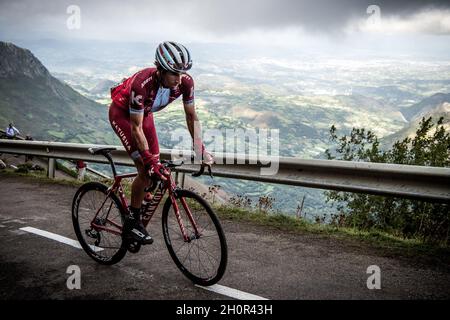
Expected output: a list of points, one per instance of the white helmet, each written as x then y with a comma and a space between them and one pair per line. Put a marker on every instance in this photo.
173, 57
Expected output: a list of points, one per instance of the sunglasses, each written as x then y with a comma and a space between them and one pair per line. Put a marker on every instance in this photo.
174, 73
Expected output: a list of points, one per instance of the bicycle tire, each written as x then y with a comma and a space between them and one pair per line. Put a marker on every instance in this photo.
92, 250
174, 234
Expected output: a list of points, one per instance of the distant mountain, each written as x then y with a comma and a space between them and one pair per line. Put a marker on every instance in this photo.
45, 107
102, 87
17, 61
426, 106
80, 89
392, 94
367, 104
435, 106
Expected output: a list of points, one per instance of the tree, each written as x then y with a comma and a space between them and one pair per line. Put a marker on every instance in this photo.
408, 218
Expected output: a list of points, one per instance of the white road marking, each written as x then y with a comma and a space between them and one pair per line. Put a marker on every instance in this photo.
233, 293
58, 238
217, 288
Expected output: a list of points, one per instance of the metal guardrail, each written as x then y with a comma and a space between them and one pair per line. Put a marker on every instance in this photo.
417, 182
98, 173
52, 164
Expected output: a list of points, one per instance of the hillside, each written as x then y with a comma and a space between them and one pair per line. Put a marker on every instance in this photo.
102, 87
426, 106
436, 106
41, 105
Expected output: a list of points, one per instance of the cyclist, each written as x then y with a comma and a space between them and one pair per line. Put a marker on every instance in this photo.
134, 101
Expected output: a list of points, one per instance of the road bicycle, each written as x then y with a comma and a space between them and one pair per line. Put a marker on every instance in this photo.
192, 232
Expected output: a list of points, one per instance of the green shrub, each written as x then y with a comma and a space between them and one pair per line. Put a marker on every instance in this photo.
402, 217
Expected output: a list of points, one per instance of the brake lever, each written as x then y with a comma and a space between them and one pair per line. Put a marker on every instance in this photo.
199, 173
202, 170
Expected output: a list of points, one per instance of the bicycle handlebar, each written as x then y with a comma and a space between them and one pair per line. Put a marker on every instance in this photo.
202, 170
173, 164
167, 163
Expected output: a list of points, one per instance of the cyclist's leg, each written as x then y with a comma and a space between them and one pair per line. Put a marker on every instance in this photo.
139, 183
121, 124
149, 128
142, 180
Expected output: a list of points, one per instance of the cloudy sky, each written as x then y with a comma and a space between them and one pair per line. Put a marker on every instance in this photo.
271, 22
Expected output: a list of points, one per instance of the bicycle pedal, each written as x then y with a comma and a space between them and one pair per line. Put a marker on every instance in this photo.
146, 243
134, 247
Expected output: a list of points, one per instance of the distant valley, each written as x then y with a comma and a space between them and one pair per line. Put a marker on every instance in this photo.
301, 98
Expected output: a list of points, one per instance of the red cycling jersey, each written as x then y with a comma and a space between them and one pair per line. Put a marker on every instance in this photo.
142, 92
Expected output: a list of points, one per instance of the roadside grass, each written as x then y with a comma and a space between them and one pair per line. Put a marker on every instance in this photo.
69, 171
376, 239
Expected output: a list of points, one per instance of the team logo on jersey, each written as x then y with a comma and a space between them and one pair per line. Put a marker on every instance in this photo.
145, 82
136, 100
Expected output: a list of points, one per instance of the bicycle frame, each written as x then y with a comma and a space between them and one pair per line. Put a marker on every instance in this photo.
149, 209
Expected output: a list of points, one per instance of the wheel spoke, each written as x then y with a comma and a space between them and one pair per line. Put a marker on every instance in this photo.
91, 200
201, 259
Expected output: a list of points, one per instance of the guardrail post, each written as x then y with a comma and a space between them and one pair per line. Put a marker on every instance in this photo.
182, 179
51, 168
179, 178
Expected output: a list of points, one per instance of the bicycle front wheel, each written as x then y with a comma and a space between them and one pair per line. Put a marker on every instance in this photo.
97, 220
202, 255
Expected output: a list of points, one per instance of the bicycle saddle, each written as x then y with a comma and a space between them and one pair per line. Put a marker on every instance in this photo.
101, 150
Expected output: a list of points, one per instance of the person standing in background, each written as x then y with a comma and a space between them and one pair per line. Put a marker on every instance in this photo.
81, 169
11, 131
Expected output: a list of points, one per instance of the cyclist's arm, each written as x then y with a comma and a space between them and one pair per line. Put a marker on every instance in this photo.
193, 124
137, 133
151, 161
195, 129
192, 121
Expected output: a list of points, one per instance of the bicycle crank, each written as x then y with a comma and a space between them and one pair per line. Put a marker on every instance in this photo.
134, 246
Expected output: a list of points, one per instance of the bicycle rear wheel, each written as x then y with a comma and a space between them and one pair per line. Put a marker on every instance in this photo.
104, 246
203, 257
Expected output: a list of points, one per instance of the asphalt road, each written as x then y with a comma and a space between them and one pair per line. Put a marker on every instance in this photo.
262, 261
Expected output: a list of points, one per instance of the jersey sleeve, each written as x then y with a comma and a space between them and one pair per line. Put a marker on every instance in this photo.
187, 89
137, 96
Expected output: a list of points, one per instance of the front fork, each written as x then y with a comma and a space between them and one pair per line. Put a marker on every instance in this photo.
173, 194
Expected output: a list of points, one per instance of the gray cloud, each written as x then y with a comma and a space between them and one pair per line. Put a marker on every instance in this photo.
319, 15
107, 19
